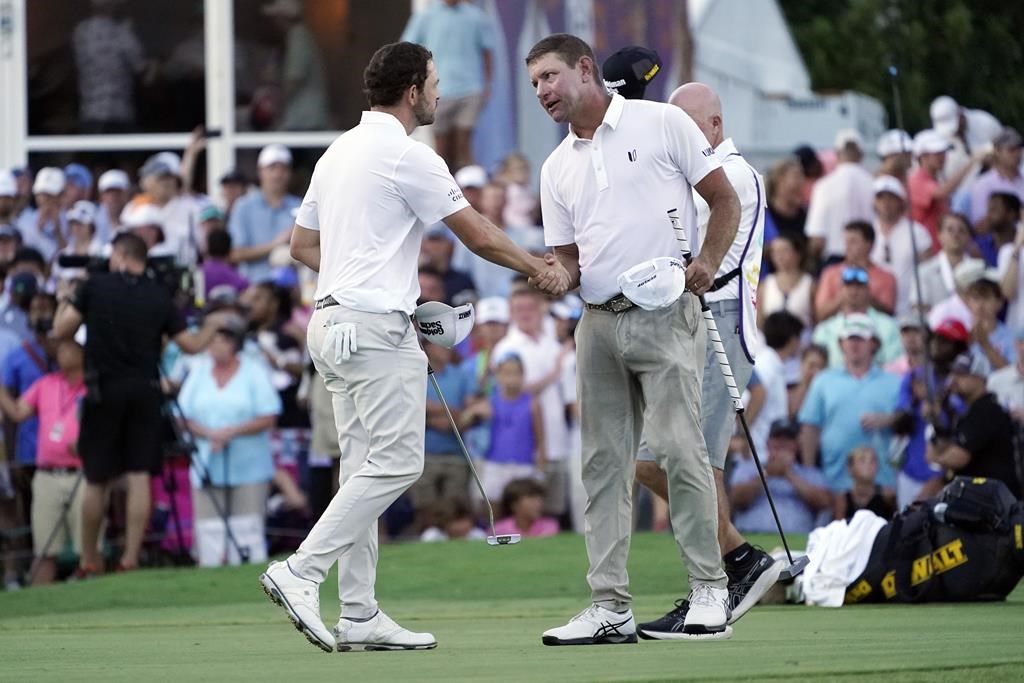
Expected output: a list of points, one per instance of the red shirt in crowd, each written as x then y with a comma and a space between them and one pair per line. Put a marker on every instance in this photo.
925, 207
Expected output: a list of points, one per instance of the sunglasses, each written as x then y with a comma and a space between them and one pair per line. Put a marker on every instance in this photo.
855, 275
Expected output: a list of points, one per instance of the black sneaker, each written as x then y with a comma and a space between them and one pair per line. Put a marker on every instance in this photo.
747, 589
669, 626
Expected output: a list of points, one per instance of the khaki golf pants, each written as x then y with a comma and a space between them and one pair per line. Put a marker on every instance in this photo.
636, 368
379, 396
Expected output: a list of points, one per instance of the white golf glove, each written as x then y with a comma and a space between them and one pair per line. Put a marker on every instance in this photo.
342, 338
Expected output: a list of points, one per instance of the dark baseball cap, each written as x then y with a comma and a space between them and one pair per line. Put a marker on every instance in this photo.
628, 71
784, 428
234, 176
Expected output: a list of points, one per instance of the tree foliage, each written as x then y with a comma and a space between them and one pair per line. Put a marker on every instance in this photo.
970, 49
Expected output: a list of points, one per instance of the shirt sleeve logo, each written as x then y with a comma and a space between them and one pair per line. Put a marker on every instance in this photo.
455, 194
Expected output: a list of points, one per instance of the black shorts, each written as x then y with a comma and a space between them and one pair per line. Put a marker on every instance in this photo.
121, 430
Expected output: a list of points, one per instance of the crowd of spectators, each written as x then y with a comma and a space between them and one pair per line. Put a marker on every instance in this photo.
887, 299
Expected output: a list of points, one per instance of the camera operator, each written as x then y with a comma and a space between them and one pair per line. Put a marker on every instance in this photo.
127, 315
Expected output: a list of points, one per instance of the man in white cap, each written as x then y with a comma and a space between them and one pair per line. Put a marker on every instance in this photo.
849, 406
113, 187
8, 197
968, 130
895, 244
929, 187
262, 220
843, 196
45, 227
1004, 176
894, 148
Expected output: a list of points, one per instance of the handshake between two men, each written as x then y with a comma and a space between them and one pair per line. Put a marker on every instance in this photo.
552, 279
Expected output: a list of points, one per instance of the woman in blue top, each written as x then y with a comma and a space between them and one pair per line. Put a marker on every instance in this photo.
230, 405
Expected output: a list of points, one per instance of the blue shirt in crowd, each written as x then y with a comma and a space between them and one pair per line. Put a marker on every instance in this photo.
458, 384
457, 37
247, 395
915, 463
254, 222
795, 515
21, 369
835, 404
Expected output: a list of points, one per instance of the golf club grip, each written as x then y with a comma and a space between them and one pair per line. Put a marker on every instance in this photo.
723, 360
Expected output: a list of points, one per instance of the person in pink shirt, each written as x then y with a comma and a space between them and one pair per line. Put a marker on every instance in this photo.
929, 191
523, 503
55, 398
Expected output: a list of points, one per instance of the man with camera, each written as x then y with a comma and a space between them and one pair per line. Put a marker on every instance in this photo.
127, 314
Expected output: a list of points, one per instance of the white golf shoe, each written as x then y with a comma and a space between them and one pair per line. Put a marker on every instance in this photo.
379, 633
594, 626
708, 616
300, 599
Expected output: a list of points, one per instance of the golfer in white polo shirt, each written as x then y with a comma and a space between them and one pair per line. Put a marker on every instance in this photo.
609, 195
360, 226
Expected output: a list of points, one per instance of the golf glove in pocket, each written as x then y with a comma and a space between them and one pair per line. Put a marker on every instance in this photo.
341, 338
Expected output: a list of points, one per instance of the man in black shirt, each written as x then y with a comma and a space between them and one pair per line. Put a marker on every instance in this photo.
981, 444
126, 314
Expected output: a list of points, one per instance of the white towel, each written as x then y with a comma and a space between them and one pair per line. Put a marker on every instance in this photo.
838, 554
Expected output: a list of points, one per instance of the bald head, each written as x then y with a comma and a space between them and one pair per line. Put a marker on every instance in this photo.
704, 107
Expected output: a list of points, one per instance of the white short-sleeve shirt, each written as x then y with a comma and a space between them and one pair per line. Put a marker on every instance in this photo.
895, 253
612, 195
846, 194
371, 194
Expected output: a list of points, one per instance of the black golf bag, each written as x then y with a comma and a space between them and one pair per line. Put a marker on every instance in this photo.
965, 544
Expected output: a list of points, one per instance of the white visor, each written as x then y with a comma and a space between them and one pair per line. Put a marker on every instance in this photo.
443, 325
654, 284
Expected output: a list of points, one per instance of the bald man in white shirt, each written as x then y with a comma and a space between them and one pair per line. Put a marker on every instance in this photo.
751, 571
360, 227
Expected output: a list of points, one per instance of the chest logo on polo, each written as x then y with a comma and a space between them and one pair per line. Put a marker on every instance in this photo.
708, 152
632, 155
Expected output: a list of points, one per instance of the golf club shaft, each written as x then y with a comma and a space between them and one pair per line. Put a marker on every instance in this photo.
730, 381
462, 446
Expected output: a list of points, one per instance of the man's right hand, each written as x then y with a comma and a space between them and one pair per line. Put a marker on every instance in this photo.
552, 278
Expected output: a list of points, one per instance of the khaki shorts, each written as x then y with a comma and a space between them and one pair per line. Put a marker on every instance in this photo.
50, 491
246, 499
444, 477
458, 112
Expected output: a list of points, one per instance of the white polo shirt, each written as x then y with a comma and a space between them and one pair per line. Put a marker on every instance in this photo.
611, 195
895, 253
371, 194
846, 194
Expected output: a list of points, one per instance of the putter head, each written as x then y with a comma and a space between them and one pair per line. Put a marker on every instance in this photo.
504, 539
795, 569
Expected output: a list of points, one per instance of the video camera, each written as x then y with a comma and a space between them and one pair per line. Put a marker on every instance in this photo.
176, 279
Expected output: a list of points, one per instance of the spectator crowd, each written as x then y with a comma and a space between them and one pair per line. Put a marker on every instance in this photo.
890, 310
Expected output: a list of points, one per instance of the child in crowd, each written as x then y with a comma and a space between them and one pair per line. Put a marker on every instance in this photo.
516, 449
865, 494
56, 488
217, 269
521, 204
522, 502
454, 520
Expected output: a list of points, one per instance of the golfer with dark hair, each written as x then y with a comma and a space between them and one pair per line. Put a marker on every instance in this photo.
360, 226
610, 193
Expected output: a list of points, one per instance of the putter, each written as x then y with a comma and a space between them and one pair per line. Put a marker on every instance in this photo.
494, 538
796, 566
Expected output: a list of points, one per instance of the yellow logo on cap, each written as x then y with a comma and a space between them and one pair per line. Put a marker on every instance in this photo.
652, 73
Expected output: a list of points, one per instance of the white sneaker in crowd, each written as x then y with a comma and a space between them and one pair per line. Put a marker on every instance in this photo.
380, 632
300, 599
594, 626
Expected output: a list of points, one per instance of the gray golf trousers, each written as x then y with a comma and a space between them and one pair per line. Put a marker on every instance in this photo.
635, 368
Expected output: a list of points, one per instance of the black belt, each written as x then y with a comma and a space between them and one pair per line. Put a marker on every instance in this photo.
326, 302
59, 470
617, 304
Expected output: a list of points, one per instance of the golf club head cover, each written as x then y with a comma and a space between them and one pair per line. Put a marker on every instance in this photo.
441, 324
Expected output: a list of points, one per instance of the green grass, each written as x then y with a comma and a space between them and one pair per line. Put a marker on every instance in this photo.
487, 607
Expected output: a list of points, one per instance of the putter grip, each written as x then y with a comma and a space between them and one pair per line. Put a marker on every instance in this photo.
723, 360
